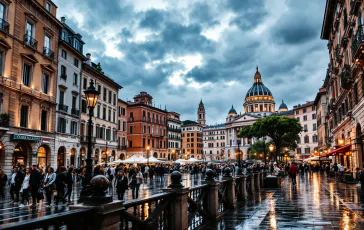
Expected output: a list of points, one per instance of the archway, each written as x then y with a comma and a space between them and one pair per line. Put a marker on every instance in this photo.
21, 154
229, 154
160, 155
122, 156
72, 156
42, 156
60, 156
164, 155
359, 141
155, 154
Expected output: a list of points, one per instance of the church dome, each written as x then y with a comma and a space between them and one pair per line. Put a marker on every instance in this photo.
258, 88
283, 105
232, 110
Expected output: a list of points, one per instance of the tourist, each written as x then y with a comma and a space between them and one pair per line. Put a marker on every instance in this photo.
121, 184
15, 185
3, 180
146, 170
49, 185
293, 172
136, 180
61, 184
69, 182
35, 183
25, 188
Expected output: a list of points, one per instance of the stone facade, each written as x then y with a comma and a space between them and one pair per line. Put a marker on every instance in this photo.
214, 137
122, 129
174, 136
192, 144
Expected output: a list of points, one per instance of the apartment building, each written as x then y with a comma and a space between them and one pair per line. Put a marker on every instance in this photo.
105, 121
192, 144
320, 104
308, 141
122, 129
174, 136
29, 53
70, 59
146, 126
214, 141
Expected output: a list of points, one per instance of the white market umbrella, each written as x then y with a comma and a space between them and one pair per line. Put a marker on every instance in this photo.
141, 157
180, 161
315, 158
117, 161
151, 160
132, 159
192, 160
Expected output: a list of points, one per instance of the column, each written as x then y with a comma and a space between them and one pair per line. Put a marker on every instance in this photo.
211, 207
230, 187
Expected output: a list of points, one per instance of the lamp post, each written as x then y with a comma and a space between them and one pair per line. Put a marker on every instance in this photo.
173, 152
239, 163
106, 153
148, 155
271, 149
265, 160
91, 95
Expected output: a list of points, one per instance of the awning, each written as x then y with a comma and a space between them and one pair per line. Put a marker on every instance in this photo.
344, 149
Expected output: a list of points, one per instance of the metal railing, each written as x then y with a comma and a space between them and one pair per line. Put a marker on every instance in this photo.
30, 41
174, 130
357, 39
75, 219
63, 108
4, 25
197, 215
75, 112
149, 213
48, 52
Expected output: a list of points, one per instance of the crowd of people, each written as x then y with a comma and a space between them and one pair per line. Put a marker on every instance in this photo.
35, 183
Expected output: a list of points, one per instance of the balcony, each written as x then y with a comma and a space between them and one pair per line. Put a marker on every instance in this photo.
121, 147
30, 41
63, 108
355, 6
174, 130
4, 26
338, 56
64, 76
75, 112
48, 53
357, 45
346, 77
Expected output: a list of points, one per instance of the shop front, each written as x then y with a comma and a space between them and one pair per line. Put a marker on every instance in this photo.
61, 156
342, 156
42, 156
72, 156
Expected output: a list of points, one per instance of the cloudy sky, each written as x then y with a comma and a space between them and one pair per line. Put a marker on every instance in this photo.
182, 51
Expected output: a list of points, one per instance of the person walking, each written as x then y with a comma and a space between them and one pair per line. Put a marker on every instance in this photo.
15, 185
49, 185
60, 185
69, 183
293, 172
3, 180
121, 184
35, 182
25, 188
136, 180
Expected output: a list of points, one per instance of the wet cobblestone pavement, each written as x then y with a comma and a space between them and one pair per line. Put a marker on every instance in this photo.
314, 203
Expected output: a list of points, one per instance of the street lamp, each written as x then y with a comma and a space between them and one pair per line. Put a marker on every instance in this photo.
265, 159
92, 96
148, 155
173, 151
271, 149
106, 153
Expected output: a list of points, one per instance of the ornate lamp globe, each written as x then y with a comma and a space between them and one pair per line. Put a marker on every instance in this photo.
92, 95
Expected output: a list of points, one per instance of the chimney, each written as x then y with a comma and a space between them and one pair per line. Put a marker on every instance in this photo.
63, 19
88, 56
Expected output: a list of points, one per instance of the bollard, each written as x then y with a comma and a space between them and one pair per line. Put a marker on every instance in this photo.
179, 219
257, 181
242, 187
230, 188
251, 180
211, 207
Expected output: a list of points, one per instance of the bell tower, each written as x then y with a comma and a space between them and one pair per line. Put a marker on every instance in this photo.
201, 114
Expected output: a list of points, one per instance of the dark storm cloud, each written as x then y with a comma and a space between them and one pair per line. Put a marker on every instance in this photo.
287, 48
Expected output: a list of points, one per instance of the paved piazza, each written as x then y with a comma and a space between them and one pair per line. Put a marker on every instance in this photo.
314, 203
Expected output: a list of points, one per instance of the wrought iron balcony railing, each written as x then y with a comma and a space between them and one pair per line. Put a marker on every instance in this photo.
346, 77
30, 41
356, 44
64, 77
75, 112
4, 26
48, 52
63, 108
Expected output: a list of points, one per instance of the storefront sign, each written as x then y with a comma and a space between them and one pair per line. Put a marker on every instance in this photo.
325, 159
46, 140
21, 137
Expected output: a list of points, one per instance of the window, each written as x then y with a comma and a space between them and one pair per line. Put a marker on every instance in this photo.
110, 97
29, 31
314, 138
297, 112
98, 111
64, 54
114, 101
109, 117
108, 134
61, 97
84, 83
99, 88
307, 150
75, 62
298, 119
1, 59
119, 125
113, 116
124, 126
74, 102
307, 139
131, 130
360, 19
47, 46
61, 125
48, 7
75, 79
299, 140
45, 83
2, 13
104, 113
27, 74
43, 120
304, 110
63, 72
305, 118
74, 129
298, 150
131, 144
83, 106
314, 127
305, 128
104, 94
314, 116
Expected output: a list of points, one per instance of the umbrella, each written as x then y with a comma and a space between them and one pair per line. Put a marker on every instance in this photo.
315, 158
180, 161
118, 161
192, 160
151, 160
132, 159
141, 157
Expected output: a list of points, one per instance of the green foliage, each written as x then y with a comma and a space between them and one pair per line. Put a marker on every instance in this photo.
283, 131
4, 116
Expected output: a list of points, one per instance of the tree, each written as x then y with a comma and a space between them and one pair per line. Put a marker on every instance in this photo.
283, 131
258, 147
